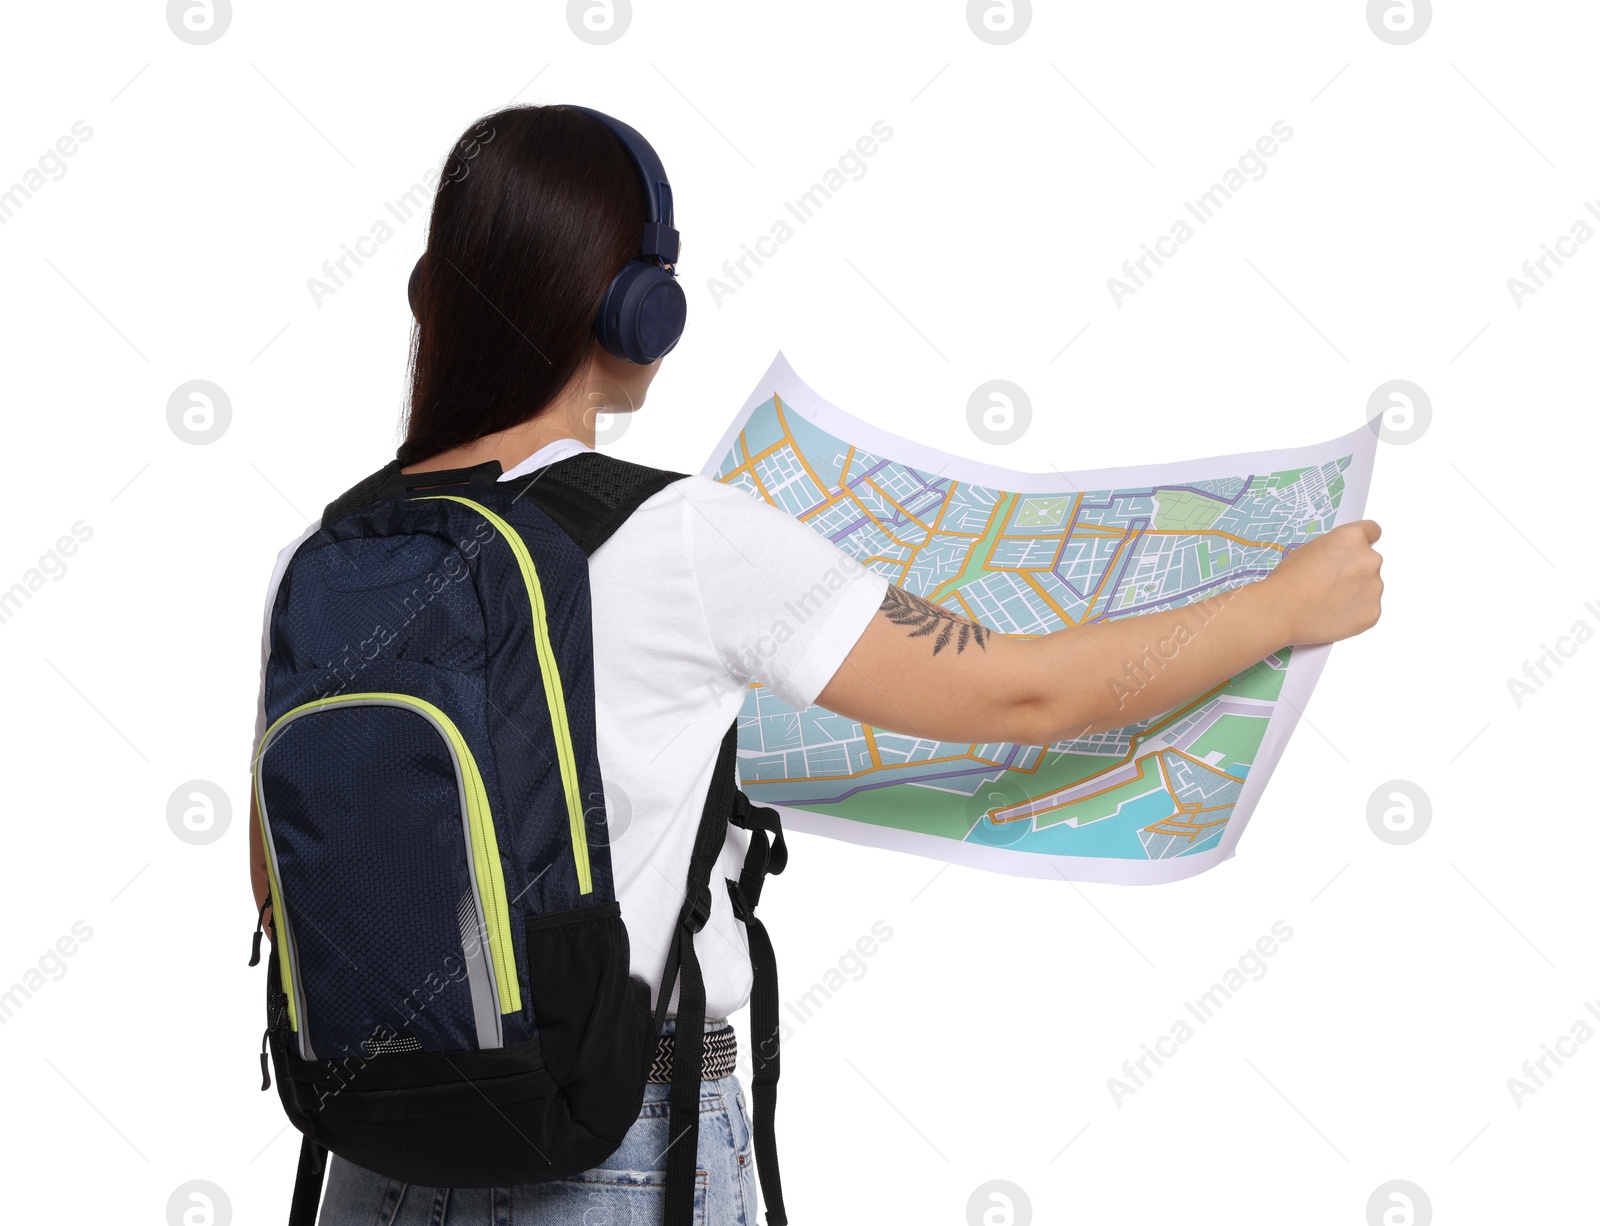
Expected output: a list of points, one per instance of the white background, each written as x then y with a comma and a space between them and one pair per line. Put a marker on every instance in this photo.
978, 1043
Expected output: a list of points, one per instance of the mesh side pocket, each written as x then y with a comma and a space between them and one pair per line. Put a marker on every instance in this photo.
592, 1017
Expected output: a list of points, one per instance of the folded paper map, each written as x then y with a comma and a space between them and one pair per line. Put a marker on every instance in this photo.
1029, 553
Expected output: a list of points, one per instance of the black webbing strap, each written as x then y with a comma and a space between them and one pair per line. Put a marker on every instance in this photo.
763, 857
683, 969
308, 1183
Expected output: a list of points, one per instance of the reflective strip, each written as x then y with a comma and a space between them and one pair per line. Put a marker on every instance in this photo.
553, 696
483, 864
480, 986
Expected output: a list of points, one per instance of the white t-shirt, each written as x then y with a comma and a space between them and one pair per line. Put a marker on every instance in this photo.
703, 591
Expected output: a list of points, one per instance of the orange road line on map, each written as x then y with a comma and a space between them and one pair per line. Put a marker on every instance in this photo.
1111, 787
1045, 596
933, 530
1186, 810
786, 439
1183, 830
798, 453
1166, 779
755, 477
1088, 609
862, 507
1205, 765
750, 461
1066, 534
899, 506
830, 500
949, 496
872, 746
1227, 536
1188, 757
1099, 530
960, 757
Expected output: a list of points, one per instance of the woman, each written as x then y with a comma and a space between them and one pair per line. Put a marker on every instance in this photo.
539, 209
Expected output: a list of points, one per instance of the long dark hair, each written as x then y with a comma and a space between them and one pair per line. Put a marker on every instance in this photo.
538, 209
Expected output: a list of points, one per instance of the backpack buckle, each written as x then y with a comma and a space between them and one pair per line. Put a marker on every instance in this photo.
697, 907
742, 910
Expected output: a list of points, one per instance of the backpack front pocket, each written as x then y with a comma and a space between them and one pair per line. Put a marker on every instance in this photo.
378, 828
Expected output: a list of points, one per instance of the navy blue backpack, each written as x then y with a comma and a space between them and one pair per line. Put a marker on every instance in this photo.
450, 1002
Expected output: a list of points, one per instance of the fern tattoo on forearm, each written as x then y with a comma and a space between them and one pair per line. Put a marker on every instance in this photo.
904, 609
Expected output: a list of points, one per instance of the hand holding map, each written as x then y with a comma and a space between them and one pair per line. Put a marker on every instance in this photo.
1031, 553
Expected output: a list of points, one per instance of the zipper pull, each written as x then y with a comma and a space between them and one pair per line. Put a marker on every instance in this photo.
255, 941
266, 1076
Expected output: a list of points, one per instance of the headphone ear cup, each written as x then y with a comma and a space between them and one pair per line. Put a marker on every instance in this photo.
642, 314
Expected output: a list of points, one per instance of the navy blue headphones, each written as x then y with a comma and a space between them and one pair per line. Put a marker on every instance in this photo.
642, 314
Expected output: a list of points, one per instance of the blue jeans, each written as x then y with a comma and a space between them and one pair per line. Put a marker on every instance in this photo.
626, 1190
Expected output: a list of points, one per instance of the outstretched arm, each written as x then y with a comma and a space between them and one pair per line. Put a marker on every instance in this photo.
923, 670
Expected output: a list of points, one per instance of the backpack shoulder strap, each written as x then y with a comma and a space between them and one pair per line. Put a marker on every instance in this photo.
591, 495
767, 855
390, 482
724, 803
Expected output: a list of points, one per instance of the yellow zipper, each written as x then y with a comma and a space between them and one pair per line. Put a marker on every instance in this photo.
480, 824
554, 698
279, 922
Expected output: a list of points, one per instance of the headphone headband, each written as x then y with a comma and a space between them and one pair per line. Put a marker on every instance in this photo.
660, 238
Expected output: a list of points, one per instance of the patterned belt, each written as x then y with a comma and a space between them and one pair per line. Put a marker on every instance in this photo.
720, 1052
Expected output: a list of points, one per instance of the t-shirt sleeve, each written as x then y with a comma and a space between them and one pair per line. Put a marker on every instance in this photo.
783, 604
285, 556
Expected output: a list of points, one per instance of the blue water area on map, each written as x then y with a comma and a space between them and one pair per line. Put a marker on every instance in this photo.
1115, 837
1206, 843
821, 449
1240, 769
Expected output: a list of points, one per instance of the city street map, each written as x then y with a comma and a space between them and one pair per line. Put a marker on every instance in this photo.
1028, 553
